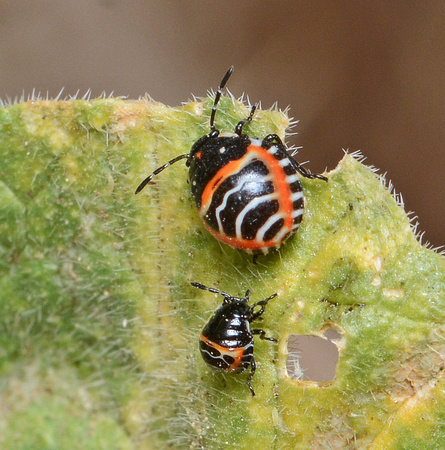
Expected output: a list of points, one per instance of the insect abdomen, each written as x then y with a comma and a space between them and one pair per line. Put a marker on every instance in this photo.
226, 359
254, 202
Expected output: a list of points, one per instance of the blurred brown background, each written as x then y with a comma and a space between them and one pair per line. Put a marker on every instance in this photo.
358, 75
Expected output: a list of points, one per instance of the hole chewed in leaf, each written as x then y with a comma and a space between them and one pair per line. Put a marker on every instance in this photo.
313, 358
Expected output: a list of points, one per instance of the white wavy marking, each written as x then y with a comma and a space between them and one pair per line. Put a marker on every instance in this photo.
223, 205
251, 205
237, 188
296, 196
292, 178
297, 212
229, 352
280, 235
247, 159
269, 222
256, 142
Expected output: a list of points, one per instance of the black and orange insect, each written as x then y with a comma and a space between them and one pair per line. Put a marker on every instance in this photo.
226, 342
247, 190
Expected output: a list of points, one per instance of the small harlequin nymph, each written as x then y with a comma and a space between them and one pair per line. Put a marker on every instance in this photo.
247, 190
226, 342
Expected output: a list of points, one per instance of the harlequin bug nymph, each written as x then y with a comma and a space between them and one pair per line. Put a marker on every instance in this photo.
226, 342
247, 190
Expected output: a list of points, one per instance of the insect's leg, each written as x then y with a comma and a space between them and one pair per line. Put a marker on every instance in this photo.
241, 123
273, 139
250, 376
263, 336
261, 303
308, 174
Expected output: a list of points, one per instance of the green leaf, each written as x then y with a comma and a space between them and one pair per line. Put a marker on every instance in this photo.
99, 324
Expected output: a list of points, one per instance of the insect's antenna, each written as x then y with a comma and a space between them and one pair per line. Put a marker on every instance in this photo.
226, 296
218, 96
159, 170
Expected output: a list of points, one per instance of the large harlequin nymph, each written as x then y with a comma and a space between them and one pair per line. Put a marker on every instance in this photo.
247, 190
226, 342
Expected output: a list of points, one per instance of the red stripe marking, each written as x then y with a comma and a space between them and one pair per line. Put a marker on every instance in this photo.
281, 187
244, 244
279, 181
235, 352
218, 179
